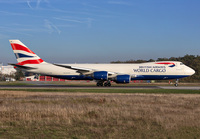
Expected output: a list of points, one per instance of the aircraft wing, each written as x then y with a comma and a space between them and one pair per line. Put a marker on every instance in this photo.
84, 71
74, 68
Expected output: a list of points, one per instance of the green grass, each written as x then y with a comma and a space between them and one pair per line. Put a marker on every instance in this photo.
157, 91
15, 83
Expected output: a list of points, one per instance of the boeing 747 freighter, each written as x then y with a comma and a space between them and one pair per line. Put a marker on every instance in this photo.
102, 73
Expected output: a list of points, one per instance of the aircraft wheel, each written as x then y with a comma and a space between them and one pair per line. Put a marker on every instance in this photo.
176, 84
100, 83
107, 83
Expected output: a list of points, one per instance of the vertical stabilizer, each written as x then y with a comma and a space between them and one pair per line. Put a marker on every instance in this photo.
23, 54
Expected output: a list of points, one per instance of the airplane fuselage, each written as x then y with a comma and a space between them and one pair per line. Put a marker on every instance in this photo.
143, 71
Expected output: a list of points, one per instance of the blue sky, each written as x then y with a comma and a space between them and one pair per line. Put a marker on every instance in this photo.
100, 31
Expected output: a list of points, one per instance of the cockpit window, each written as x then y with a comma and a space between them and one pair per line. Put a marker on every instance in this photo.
181, 64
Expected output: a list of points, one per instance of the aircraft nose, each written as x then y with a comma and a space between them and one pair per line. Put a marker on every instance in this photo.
190, 71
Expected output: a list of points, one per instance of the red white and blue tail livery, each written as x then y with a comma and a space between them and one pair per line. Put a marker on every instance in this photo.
23, 54
102, 73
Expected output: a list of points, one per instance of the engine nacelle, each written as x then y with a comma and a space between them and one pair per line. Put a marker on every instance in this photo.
123, 79
100, 75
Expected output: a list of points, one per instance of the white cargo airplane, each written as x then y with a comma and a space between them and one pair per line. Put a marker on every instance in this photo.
102, 73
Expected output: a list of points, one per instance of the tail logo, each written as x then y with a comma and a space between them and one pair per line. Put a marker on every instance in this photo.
23, 54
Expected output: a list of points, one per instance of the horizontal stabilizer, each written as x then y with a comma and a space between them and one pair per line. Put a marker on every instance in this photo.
20, 66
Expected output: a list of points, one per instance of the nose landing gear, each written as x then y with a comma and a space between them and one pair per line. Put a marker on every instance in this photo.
176, 83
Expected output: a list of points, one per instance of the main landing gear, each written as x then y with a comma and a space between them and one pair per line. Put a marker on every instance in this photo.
103, 83
176, 83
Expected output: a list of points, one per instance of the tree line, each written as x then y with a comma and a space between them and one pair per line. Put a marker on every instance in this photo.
189, 60
19, 75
